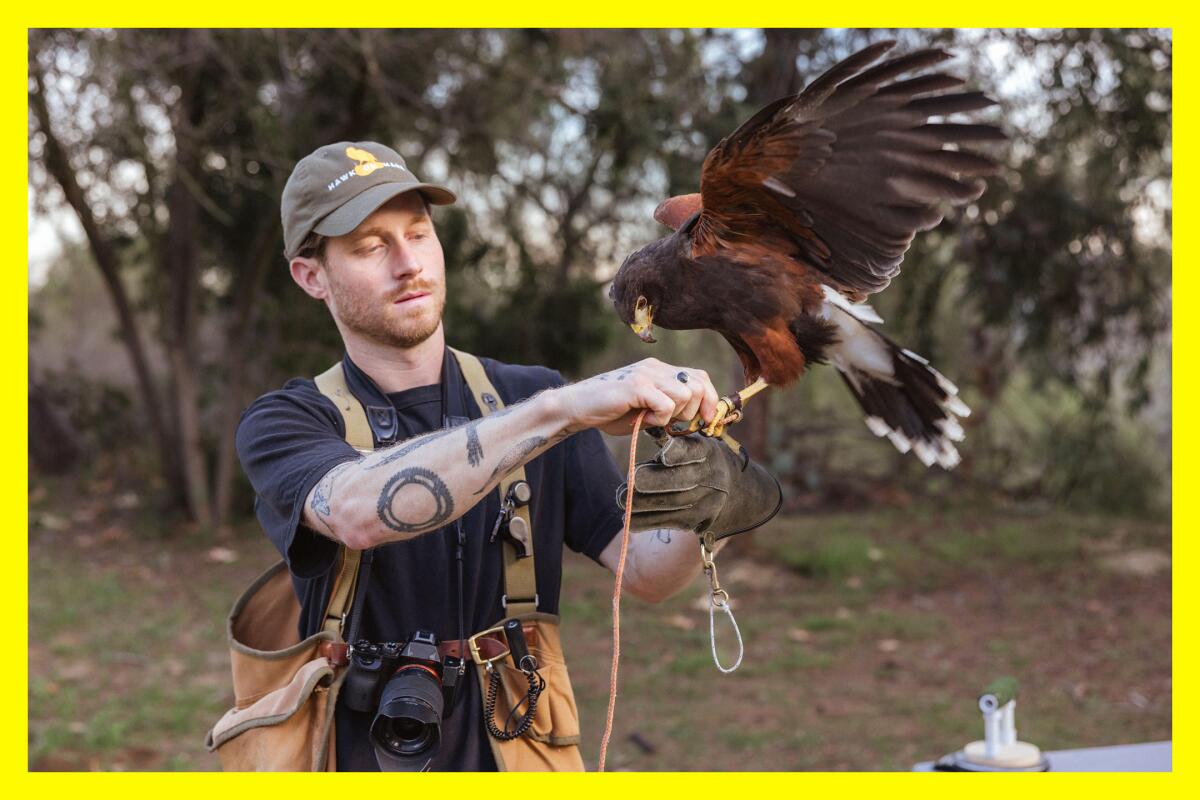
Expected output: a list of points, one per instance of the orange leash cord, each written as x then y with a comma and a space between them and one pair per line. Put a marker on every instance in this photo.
616, 656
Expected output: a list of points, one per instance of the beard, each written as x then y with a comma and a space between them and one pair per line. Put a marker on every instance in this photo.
386, 323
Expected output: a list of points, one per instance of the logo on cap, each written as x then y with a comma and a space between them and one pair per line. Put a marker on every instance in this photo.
364, 164
367, 163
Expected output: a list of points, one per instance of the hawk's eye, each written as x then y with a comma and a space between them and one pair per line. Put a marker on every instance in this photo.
641, 303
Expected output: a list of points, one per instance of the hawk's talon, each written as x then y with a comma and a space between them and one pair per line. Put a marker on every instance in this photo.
720, 419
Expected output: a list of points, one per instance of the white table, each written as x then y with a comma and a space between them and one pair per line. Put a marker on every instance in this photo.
1145, 757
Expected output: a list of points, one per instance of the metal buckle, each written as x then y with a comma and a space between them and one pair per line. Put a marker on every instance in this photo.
536, 600
473, 646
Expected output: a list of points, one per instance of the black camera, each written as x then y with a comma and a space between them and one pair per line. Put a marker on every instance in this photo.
411, 689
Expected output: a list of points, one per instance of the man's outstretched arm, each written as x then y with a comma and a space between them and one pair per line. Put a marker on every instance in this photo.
421, 484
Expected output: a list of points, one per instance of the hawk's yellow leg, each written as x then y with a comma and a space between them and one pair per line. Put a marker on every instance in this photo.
729, 411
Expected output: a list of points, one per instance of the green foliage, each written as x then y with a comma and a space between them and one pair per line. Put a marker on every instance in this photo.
1101, 463
102, 416
1072, 261
1077, 451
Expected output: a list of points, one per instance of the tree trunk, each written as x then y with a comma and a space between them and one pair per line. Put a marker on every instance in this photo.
53, 447
180, 328
58, 164
774, 74
180, 320
263, 254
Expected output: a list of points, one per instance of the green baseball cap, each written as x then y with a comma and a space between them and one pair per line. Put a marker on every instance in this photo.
333, 189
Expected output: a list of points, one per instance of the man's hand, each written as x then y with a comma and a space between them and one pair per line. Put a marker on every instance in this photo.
611, 401
699, 484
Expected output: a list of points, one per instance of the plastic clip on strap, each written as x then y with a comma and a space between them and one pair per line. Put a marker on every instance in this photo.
719, 598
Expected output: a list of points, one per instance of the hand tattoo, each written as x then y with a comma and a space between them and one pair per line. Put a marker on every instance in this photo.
425, 479
615, 375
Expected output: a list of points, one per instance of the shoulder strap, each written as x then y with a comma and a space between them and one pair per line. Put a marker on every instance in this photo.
520, 579
332, 384
343, 589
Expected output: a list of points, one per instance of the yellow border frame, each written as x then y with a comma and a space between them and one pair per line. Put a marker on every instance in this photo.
301, 13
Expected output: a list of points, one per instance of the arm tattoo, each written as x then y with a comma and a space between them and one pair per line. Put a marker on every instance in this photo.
517, 454
663, 535
474, 446
323, 494
423, 479
504, 411
400, 451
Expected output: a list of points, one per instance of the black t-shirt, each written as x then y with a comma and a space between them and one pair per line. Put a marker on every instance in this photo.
289, 439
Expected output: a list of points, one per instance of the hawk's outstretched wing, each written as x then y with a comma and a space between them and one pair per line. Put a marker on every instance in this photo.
846, 171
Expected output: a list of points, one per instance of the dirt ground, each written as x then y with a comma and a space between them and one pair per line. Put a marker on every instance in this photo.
868, 637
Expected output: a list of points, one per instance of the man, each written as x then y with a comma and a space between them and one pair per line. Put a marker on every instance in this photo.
359, 237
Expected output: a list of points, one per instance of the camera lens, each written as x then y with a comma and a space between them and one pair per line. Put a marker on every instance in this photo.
406, 736
407, 729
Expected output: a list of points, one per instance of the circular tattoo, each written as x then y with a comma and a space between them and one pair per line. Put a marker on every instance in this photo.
415, 476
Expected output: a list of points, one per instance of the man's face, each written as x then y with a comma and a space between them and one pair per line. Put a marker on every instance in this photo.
387, 278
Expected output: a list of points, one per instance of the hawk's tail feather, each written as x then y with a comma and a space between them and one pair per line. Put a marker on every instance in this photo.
912, 404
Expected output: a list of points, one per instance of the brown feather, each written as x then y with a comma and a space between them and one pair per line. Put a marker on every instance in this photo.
780, 361
841, 176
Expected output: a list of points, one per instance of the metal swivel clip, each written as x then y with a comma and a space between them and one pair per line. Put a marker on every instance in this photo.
514, 527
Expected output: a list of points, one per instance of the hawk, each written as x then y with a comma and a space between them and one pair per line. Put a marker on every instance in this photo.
805, 210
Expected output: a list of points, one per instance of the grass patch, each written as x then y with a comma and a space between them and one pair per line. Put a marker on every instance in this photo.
819, 624
903, 626
128, 666
789, 663
831, 557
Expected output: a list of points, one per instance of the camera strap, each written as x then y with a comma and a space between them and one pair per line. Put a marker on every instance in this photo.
360, 595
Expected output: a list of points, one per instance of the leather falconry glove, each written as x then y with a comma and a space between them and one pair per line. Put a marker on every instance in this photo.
699, 484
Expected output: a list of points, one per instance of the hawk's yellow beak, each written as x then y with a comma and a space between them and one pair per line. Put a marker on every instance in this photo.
643, 316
